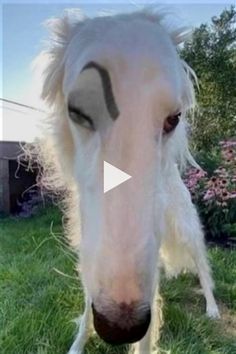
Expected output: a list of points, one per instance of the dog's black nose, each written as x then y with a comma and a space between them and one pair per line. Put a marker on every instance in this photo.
128, 326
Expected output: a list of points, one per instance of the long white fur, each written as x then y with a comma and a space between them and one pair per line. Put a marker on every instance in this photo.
178, 228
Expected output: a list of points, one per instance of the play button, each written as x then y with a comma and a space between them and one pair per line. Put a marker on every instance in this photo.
113, 177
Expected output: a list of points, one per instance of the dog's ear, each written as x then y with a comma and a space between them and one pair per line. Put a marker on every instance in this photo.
51, 60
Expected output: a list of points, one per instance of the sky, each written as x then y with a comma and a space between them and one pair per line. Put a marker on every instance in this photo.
23, 33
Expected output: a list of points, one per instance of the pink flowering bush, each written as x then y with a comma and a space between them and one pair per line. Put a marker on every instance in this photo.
215, 193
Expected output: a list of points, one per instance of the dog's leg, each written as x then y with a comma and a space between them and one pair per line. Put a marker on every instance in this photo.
183, 244
195, 244
204, 272
148, 345
85, 329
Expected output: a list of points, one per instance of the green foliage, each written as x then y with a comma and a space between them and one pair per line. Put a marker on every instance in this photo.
209, 161
212, 54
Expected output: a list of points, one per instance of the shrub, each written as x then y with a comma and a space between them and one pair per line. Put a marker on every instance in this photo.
211, 52
214, 193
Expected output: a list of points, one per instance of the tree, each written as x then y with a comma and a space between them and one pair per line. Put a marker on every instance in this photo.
212, 54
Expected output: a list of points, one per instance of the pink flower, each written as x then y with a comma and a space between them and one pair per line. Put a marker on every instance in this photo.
224, 182
228, 143
232, 195
228, 155
201, 173
208, 195
224, 195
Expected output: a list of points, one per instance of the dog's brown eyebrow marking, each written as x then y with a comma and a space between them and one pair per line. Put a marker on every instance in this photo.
107, 88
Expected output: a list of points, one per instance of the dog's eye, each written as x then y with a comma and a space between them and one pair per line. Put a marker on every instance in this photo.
171, 122
79, 117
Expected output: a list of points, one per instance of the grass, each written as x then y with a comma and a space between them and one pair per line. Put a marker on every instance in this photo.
40, 295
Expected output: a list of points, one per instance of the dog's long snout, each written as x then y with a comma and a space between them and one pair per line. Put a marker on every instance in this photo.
123, 324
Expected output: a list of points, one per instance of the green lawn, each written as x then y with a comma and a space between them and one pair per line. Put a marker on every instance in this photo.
40, 295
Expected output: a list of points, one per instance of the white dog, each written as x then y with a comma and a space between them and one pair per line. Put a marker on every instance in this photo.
119, 92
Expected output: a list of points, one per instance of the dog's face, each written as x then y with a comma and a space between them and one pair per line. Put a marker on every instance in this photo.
123, 94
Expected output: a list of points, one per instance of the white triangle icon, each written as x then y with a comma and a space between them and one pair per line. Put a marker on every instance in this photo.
113, 176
